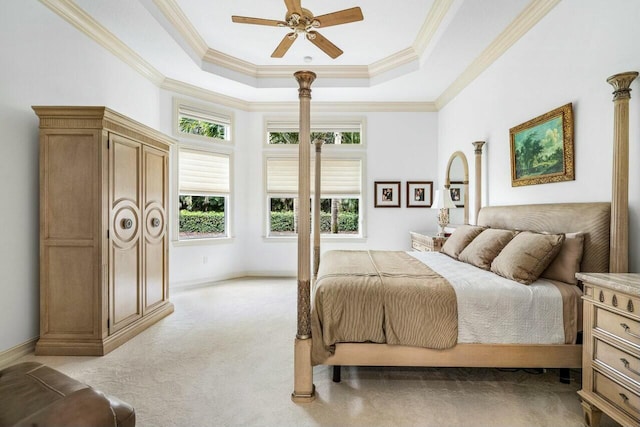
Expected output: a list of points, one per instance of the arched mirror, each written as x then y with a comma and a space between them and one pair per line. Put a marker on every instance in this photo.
457, 181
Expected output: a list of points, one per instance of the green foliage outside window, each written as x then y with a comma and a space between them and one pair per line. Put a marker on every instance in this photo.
201, 216
282, 222
201, 127
327, 137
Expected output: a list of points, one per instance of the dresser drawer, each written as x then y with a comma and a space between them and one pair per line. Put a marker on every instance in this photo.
621, 361
619, 396
420, 247
620, 326
614, 299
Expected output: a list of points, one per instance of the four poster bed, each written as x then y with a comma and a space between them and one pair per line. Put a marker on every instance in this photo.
366, 304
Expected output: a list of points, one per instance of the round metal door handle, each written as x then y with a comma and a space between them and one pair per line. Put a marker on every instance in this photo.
127, 223
155, 222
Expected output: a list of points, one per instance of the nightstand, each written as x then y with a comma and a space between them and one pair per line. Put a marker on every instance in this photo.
426, 241
611, 347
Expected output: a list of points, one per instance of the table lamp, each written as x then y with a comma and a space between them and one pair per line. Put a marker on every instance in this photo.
443, 202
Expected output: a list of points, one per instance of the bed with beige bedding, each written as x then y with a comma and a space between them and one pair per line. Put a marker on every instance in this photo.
480, 304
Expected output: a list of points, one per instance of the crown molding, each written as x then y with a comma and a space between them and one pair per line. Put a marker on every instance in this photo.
431, 24
529, 17
77, 17
292, 107
396, 60
176, 17
204, 94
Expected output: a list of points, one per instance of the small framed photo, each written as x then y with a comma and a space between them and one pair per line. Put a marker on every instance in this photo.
457, 193
387, 194
419, 194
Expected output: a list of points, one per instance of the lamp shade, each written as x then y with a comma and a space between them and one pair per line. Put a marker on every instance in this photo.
443, 200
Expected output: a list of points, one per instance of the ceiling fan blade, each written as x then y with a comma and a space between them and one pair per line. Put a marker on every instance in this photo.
324, 44
284, 45
293, 6
342, 17
257, 21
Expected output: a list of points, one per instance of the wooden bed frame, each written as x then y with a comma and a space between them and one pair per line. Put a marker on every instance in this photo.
604, 224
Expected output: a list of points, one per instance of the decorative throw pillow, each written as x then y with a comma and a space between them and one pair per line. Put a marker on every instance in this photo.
485, 247
460, 238
567, 263
526, 256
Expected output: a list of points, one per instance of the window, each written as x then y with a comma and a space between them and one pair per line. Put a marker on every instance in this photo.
332, 132
200, 122
204, 170
341, 200
203, 194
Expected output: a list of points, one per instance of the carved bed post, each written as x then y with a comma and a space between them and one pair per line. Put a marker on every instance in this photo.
316, 207
478, 187
304, 390
619, 246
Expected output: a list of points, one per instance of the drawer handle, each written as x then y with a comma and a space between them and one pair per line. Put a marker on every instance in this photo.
625, 400
155, 222
625, 362
626, 329
127, 223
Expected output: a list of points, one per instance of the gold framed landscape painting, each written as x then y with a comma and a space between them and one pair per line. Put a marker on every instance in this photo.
542, 149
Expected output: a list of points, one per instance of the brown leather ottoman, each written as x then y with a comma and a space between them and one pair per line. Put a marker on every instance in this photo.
32, 394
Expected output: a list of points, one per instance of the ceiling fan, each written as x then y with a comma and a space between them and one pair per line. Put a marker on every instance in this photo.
302, 22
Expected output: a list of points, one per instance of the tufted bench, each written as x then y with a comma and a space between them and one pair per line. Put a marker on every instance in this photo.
32, 394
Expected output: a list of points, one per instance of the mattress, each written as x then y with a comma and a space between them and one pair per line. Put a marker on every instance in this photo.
495, 310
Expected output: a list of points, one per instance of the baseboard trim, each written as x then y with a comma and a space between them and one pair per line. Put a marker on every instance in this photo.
178, 287
14, 353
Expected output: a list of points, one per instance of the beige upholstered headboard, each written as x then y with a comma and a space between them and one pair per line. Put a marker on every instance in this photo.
590, 218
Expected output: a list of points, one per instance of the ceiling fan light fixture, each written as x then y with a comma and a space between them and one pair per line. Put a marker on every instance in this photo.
302, 21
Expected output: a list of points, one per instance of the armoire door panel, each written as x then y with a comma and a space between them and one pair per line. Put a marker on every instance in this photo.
69, 282
69, 160
125, 169
155, 235
125, 286
155, 278
125, 278
155, 174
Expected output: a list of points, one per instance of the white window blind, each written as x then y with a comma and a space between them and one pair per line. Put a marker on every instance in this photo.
339, 176
293, 125
203, 173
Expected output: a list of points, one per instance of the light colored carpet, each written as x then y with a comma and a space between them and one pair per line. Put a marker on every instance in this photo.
225, 358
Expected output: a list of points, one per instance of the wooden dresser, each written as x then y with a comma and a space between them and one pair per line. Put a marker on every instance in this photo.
425, 241
611, 349
103, 229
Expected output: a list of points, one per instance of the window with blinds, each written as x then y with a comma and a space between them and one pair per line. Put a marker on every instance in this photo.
203, 190
341, 186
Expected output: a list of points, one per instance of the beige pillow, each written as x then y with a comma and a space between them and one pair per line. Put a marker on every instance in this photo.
460, 238
485, 247
526, 256
567, 263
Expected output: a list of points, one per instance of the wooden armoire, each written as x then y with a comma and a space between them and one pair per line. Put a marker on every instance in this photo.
104, 182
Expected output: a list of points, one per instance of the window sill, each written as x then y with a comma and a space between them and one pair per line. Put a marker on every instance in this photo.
203, 242
326, 239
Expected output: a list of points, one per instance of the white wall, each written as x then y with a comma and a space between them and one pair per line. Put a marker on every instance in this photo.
389, 137
45, 61
566, 58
